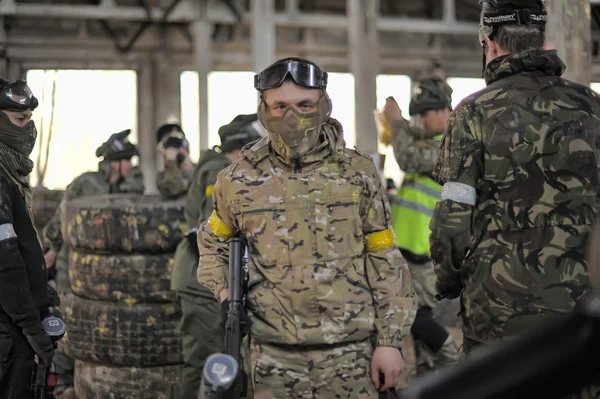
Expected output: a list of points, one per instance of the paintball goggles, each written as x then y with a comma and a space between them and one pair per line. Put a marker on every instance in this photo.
17, 96
117, 147
303, 73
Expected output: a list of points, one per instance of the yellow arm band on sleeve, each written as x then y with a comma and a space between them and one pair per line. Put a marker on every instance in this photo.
380, 240
219, 228
209, 190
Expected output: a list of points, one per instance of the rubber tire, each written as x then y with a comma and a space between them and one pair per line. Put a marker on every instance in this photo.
123, 223
94, 381
122, 278
119, 334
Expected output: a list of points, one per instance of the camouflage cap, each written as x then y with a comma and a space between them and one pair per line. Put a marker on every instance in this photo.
430, 94
239, 132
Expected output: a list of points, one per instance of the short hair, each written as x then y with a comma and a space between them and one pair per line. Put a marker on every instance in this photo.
518, 38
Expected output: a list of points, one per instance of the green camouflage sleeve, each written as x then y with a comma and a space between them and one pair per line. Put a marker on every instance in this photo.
413, 154
386, 270
52, 230
213, 236
134, 182
173, 182
452, 224
199, 204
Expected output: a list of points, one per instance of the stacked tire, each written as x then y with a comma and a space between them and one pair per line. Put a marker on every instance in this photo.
122, 318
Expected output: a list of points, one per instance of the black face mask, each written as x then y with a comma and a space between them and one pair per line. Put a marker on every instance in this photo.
20, 139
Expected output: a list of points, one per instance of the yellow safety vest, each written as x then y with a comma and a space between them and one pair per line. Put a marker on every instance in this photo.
412, 209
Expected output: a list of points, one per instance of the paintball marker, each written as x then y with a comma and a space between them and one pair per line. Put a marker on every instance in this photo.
44, 382
223, 375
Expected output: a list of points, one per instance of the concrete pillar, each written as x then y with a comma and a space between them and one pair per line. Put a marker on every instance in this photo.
263, 34
167, 91
202, 31
569, 31
364, 64
146, 126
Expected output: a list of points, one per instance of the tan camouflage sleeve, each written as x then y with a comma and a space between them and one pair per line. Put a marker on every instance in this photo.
452, 226
213, 236
173, 182
386, 270
413, 154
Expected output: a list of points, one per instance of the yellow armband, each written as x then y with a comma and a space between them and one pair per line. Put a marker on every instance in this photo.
219, 228
380, 240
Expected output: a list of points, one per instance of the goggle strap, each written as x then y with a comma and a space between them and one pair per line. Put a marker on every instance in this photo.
518, 17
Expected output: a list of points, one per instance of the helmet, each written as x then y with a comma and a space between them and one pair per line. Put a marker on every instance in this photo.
171, 135
239, 132
430, 94
16, 96
118, 147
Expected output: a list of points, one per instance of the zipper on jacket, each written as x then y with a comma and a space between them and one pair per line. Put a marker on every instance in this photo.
297, 165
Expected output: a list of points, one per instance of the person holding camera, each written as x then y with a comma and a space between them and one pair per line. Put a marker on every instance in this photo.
24, 299
174, 181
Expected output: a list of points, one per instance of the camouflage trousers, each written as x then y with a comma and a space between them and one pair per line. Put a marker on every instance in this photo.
330, 371
423, 276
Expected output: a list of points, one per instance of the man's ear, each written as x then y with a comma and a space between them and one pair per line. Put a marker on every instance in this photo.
491, 45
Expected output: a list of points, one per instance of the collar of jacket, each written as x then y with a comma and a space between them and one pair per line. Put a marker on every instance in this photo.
546, 62
333, 144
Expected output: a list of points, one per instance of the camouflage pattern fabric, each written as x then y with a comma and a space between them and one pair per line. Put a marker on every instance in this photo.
413, 152
198, 207
323, 264
423, 277
201, 313
526, 144
174, 181
332, 371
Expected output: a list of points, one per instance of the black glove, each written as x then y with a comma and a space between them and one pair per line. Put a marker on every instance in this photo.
53, 298
245, 322
41, 344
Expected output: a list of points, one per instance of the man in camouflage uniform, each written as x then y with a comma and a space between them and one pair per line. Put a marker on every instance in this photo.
174, 181
324, 271
416, 150
115, 175
521, 185
200, 329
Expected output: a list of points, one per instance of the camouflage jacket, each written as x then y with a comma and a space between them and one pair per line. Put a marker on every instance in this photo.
174, 181
198, 207
413, 152
91, 183
323, 263
524, 149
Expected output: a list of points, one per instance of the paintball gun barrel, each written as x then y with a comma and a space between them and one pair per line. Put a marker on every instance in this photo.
223, 375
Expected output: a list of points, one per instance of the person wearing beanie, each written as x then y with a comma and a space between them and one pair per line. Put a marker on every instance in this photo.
416, 149
200, 329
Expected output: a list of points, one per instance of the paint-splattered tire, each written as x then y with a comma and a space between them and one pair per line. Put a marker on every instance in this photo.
127, 278
94, 381
120, 334
123, 223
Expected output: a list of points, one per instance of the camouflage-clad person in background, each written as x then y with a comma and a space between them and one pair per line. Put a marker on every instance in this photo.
416, 150
115, 174
200, 329
324, 271
521, 184
174, 181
